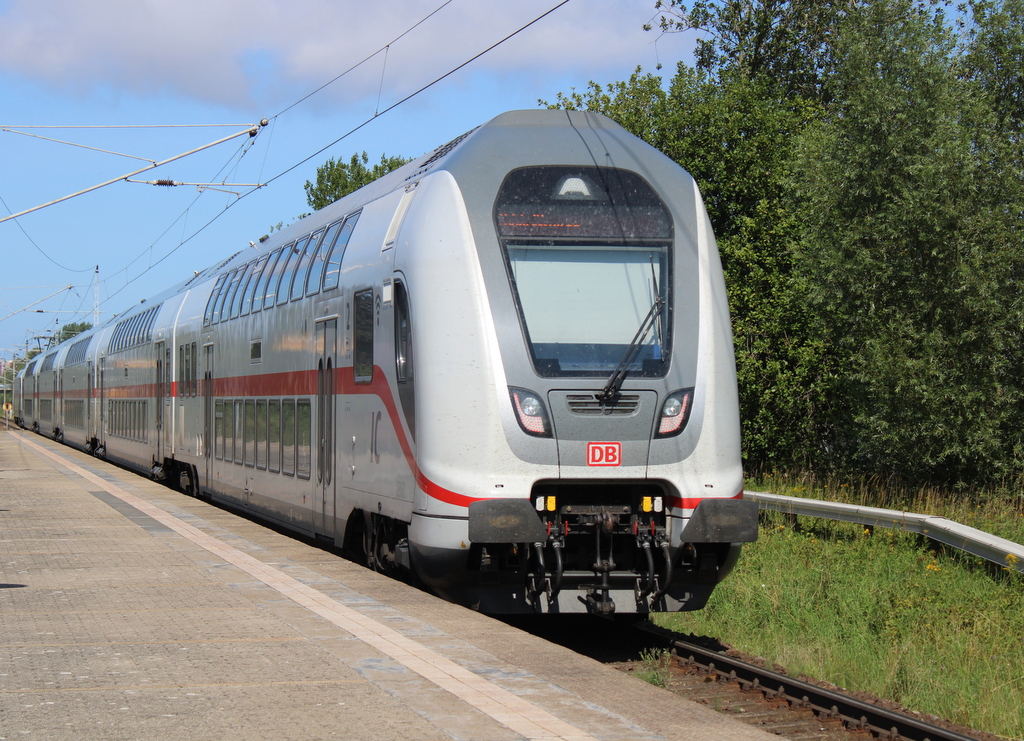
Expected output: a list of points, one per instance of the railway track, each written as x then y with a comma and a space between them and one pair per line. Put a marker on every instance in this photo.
831, 713
774, 702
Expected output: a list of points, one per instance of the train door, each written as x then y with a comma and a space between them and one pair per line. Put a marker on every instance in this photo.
58, 404
208, 430
35, 401
379, 466
89, 400
101, 431
159, 413
327, 360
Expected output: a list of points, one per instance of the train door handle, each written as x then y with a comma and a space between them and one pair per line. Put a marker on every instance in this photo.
375, 424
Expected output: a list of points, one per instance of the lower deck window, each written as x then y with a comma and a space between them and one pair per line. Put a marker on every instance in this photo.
218, 430
249, 432
275, 435
74, 413
261, 433
288, 437
128, 419
303, 423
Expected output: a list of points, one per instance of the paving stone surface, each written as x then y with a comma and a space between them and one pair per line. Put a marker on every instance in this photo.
128, 611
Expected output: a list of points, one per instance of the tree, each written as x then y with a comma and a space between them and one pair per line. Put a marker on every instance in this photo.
994, 59
336, 179
911, 250
784, 42
71, 330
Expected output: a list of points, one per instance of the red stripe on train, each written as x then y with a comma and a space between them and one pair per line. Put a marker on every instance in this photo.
304, 383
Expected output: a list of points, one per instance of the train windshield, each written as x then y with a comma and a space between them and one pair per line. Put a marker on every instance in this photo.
588, 252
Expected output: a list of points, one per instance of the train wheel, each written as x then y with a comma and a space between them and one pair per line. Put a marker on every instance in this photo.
369, 543
381, 540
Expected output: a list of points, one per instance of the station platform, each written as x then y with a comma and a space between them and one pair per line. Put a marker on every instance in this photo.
129, 611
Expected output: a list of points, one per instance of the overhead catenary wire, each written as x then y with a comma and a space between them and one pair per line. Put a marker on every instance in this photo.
252, 131
95, 283
365, 59
37, 247
183, 217
412, 95
75, 144
272, 120
376, 115
15, 130
184, 240
36, 303
383, 71
125, 126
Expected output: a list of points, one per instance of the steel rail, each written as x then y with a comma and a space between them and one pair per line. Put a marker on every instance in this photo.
827, 704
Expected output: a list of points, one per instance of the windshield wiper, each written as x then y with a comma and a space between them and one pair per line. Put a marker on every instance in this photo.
611, 389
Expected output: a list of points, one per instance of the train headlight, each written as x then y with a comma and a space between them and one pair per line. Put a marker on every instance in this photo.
530, 412
675, 412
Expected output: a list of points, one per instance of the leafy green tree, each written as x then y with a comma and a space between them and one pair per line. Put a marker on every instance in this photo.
994, 58
911, 249
70, 330
336, 179
784, 42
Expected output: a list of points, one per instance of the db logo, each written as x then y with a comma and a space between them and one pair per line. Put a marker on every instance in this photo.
604, 454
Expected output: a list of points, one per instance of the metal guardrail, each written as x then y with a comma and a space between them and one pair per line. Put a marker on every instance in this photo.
998, 550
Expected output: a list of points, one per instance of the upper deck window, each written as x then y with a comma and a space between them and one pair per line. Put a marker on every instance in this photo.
250, 286
275, 279
299, 281
316, 268
225, 291
288, 272
332, 270
240, 281
588, 251
265, 290
210, 302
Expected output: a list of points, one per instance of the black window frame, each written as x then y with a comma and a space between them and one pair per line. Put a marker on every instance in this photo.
362, 335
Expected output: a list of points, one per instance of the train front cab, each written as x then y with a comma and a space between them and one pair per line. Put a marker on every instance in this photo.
626, 391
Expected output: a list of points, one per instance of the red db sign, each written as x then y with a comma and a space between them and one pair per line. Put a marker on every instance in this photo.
604, 454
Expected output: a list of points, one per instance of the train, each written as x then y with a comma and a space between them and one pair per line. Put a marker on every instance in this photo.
503, 371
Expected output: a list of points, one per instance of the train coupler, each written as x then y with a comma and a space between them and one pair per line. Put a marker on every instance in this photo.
599, 598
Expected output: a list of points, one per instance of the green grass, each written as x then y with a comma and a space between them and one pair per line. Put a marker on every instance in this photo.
656, 667
885, 612
1000, 512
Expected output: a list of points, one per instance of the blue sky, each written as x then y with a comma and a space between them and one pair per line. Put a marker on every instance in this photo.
190, 62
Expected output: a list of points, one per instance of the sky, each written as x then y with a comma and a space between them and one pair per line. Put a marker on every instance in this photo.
91, 92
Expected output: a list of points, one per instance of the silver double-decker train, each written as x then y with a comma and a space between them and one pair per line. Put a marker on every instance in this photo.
504, 370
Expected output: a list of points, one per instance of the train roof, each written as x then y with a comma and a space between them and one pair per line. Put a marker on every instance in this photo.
509, 140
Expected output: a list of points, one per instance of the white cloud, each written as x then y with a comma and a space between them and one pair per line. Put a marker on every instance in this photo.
267, 53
